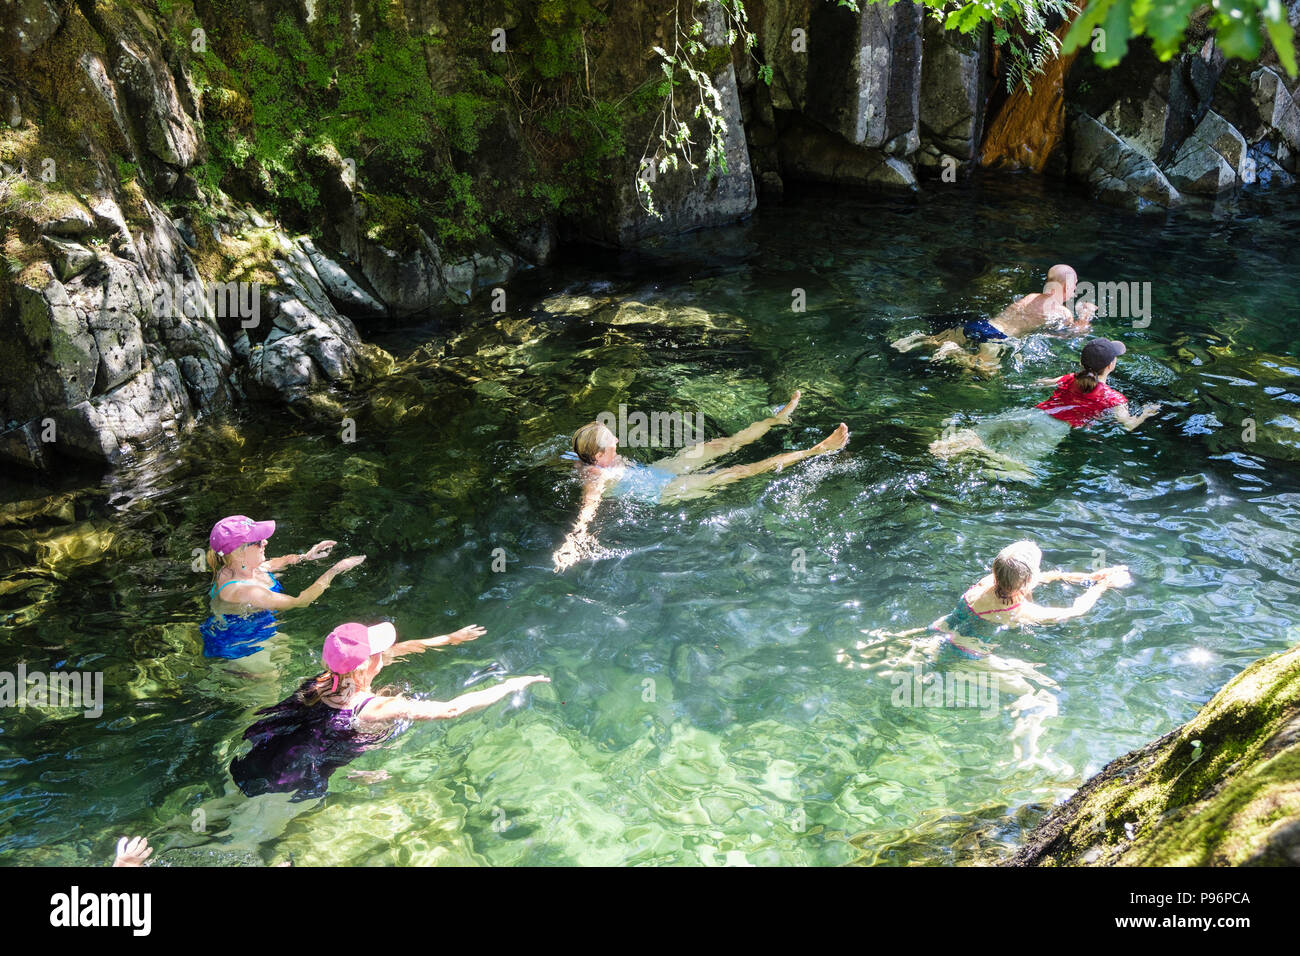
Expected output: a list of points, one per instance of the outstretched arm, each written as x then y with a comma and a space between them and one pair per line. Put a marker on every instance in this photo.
1117, 576
568, 553
318, 551
1130, 421
403, 708
469, 633
256, 596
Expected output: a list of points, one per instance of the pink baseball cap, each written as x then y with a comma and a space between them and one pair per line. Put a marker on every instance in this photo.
351, 645
237, 530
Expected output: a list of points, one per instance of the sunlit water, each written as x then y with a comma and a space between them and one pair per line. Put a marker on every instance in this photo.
710, 701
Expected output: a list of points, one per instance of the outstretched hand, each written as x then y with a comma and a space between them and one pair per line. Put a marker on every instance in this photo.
320, 550
347, 564
1116, 577
132, 851
471, 632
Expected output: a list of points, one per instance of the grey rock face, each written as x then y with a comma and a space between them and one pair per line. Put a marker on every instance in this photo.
342, 289
1269, 114
812, 153
686, 199
864, 71
69, 258
60, 357
954, 85
31, 23
1212, 160
1117, 172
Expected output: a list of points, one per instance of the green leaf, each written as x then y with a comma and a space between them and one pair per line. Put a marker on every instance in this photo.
1236, 31
1117, 34
1080, 33
1279, 31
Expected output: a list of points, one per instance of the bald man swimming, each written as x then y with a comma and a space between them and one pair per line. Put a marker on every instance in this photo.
1034, 311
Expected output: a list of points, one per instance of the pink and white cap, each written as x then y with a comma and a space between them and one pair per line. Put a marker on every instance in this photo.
351, 645
236, 531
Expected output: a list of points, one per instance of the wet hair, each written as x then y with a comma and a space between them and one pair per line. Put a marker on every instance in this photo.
588, 443
1011, 570
320, 687
216, 562
1085, 380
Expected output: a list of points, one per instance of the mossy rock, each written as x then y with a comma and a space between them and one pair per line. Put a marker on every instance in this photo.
1222, 790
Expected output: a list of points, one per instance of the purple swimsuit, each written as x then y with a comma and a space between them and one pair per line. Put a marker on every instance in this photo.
296, 748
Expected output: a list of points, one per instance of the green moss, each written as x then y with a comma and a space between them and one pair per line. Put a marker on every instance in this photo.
714, 60
1167, 806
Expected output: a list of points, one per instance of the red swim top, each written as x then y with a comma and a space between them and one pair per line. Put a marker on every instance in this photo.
1079, 408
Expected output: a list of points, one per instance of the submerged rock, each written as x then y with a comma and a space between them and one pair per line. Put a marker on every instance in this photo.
1219, 791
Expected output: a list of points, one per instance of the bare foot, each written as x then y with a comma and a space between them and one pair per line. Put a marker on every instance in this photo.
946, 351
832, 442
909, 342
783, 415
956, 443
368, 776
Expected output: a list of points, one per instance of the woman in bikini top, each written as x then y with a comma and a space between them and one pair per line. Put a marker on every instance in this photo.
1004, 597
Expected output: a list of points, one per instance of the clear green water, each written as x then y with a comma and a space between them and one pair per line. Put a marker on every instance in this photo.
760, 745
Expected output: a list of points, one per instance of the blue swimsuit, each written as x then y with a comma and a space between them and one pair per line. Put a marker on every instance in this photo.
644, 482
238, 635
974, 326
982, 330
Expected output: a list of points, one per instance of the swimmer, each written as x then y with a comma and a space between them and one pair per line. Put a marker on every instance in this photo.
1028, 313
333, 717
1080, 398
1004, 598
674, 478
245, 594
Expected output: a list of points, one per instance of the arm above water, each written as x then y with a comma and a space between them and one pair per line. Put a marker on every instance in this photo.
1117, 576
256, 596
384, 709
568, 553
318, 551
469, 633
1130, 421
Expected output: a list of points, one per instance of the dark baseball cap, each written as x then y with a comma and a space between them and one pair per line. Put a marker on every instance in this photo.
1099, 353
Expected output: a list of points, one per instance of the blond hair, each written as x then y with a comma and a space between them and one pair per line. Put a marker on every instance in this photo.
590, 440
1014, 567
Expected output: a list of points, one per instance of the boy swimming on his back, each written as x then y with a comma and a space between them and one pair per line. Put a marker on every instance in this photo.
670, 479
1028, 313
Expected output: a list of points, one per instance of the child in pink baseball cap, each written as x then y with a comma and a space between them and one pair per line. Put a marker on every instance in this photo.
300, 744
355, 654
244, 593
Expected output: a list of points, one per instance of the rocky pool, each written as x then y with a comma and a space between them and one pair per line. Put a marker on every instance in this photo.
715, 698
